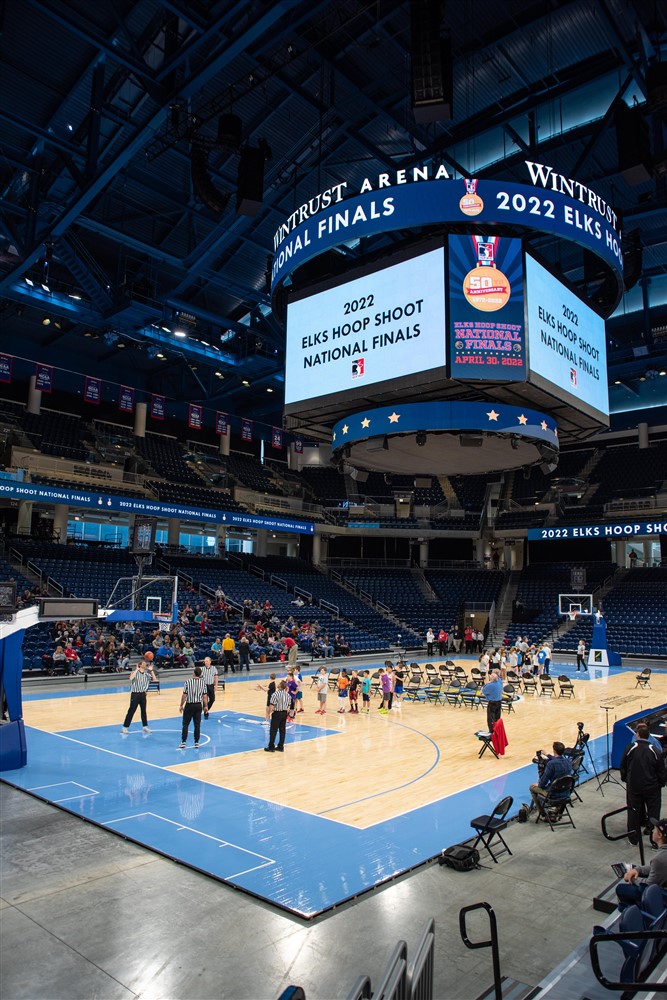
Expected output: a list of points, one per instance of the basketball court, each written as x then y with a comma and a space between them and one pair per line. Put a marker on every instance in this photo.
353, 802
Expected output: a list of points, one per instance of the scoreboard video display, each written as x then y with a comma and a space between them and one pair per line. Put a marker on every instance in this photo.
487, 334
385, 325
567, 348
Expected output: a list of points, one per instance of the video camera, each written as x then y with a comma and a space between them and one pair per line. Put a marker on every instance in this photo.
540, 759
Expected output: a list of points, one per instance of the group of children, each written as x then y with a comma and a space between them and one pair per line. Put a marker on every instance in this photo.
350, 685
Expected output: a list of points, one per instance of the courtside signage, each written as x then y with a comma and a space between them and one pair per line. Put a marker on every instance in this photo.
628, 529
133, 505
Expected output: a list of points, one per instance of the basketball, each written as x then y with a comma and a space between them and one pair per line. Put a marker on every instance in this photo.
148, 656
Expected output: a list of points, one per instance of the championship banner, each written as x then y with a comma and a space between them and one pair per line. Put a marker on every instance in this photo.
5, 368
221, 423
195, 417
487, 325
157, 407
44, 378
92, 390
298, 445
276, 438
126, 399
246, 430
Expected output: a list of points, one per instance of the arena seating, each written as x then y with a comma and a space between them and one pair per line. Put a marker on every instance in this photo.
250, 472
195, 495
55, 433
165, 455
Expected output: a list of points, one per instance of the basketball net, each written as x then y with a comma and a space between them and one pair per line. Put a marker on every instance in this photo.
573, 615
163, 619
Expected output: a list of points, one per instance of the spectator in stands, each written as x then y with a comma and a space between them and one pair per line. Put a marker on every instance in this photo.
228, 647
187, 655
430, 639
643, 770
220, 595
216, 650
341, 646
291, 648
326, 645
57, 661
72, 657
164, 655
635, 880
298, 601
557, 766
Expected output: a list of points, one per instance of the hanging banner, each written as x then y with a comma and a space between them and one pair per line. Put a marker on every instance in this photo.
92, 390
126, 399
276, 438
298, 445
195, 417
246, 430
157, 407
5, 368
44, 378
221, 423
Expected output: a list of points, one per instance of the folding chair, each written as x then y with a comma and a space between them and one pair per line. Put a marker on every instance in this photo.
577, 765
644, 678
433, 692
513, 678
471, 697
554, 808
566, 687
485, 738
490, 828
452, 692
508, 699
547, 685
334, 674
412, 689
529, 683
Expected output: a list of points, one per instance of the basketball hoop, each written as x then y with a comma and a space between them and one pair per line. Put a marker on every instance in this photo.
163, 619
573, 615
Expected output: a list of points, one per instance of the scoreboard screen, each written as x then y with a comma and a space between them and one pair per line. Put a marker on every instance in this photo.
567, 348
386, 324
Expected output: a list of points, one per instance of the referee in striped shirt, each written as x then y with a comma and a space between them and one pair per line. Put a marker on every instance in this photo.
140, 678
209, 675
194, 695
280, 703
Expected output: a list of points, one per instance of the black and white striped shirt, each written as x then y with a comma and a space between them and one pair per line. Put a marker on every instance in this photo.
208, 674
140, 682
194, 689
281, 700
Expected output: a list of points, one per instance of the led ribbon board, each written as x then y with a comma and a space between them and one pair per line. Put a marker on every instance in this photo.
323, 223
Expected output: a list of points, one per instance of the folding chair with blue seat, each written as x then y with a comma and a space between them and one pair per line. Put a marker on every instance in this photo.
554, 807
490, 828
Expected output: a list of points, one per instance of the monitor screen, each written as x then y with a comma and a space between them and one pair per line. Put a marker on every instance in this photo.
486, 310
567, 350
385, 324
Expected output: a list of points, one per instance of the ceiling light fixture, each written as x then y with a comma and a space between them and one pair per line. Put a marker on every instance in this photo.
46, 321
180, 333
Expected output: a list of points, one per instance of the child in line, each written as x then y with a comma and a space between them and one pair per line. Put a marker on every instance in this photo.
343, 684
366, 691
270, 689
354, 693
385, 687
322, 686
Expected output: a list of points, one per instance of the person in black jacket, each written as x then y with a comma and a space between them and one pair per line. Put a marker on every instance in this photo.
643, 770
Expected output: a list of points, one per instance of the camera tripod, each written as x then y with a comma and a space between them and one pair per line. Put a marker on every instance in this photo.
581, 746
608, 776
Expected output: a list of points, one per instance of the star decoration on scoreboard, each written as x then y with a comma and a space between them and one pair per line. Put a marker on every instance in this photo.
394, 417
523, 419
365, 423
492, 415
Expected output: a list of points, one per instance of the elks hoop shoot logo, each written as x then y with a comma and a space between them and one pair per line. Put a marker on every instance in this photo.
358, 368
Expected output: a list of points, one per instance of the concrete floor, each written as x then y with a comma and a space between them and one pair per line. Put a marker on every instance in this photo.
84, 914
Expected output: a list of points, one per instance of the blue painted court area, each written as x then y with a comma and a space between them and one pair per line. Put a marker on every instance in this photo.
298, 861
224, 733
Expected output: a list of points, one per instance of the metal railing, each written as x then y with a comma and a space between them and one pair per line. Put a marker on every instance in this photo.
492, 943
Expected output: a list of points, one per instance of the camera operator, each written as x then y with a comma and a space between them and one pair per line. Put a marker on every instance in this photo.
549, 768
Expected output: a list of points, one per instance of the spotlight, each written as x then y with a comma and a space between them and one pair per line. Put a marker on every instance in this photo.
421, 438
245, 381
46, 320
30, 282
515, 441
378, 444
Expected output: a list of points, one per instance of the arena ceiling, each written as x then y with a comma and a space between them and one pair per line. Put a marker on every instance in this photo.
118, 188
